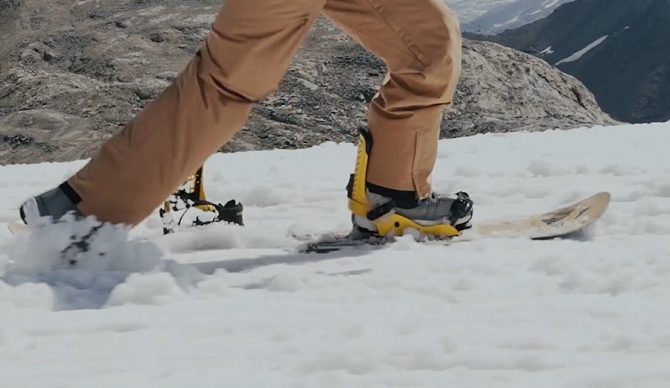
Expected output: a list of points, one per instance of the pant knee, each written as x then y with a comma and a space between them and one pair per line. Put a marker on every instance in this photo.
442, 41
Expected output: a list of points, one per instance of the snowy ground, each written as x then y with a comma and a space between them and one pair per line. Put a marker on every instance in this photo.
247, 311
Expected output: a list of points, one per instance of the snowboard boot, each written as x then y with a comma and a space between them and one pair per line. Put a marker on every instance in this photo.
438, 209
54, 204
385, 212
54, 213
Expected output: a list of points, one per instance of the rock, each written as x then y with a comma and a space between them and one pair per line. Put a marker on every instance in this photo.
95, 15
309, 85
16, 141
122, 24
144, 94
35, 135
37, 51
29, 55
156, 37
8, 4
94, 82
167, 75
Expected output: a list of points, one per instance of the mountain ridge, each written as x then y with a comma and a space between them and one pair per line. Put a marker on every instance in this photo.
508, 15
627, 71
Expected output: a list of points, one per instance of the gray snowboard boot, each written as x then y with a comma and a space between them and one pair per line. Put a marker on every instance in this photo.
54, 203
455, 210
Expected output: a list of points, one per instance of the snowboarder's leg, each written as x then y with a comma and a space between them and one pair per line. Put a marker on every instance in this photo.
420, 42
245, 55
375, 214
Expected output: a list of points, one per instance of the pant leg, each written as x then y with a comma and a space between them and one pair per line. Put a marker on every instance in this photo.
243, 60
420, 42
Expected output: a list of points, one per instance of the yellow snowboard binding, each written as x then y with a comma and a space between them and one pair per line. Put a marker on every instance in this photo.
385, 219
192, 195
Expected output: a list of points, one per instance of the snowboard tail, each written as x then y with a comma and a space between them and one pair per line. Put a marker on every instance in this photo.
17, 228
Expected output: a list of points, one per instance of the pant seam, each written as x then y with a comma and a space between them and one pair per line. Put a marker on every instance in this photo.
402, 34
417, 154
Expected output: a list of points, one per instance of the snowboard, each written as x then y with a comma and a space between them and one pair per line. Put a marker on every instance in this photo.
17, 228
560, 223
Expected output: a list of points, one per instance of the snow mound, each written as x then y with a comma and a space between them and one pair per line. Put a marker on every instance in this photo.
46, 256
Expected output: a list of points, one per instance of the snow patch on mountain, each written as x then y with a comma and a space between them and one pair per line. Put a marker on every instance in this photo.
580, 53
550, 3
548, 50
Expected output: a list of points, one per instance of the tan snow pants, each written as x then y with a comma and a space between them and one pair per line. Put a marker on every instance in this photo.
243, 60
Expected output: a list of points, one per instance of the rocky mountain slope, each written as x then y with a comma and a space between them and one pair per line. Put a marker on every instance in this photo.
619, 48
72, 74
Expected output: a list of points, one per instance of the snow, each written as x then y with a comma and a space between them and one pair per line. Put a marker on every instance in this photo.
513, 20
550, 3
548, 50
237, 306
580, 53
